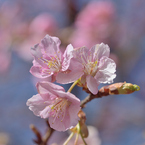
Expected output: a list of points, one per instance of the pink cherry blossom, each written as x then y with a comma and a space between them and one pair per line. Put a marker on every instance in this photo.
95, 65
54, 103
49, 61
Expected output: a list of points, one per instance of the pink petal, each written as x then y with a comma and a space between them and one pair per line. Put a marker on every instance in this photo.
36, 51
45, 113
72, 76
71, 118
74, 72
107, 64
100, 50
51, 46
60, 124
67, 56
48, 88
37, 72
36, 104
73, 110
92, 84
81, 54
38, 69
56, 39
72, 98
107, 68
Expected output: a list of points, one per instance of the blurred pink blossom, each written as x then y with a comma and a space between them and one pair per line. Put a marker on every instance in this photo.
5, 60
94, 24
43, 24
38, 28
92, 139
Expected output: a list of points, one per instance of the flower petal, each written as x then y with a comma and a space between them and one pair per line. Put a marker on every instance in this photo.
70, 120
36, 51
100, 50
37, 72
60, 124
36, 104
67, 57
74, 72
45, 113
48, 88
92, 84
107, 68
51, 46
73, 110
73, 99
81, 54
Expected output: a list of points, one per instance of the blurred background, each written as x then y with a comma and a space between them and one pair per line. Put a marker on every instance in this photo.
118, 120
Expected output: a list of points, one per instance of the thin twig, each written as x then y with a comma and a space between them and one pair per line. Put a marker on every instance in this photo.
48, 133
113, 89
39, 139
38, 135
89, 98
104, 91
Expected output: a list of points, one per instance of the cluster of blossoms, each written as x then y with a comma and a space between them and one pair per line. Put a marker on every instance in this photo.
85, 67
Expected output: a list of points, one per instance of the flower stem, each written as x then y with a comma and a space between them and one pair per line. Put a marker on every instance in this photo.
78, 132
69, 138
83, 140
72, 86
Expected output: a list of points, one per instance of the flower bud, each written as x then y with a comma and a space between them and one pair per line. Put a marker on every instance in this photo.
128, 88
119, 88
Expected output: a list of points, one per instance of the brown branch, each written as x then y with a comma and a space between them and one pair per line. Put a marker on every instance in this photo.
104, 91
113, 89
88, 99
72, 11
48, 133
39, 139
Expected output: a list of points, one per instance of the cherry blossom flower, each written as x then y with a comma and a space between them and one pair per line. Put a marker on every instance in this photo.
96, 66
49, 61
54, 103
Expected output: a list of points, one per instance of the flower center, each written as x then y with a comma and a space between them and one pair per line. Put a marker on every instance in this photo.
53, 63
59, 108
90, 68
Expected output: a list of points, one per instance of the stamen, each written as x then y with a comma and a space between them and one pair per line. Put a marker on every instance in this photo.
91, 68
54, 63
59, 108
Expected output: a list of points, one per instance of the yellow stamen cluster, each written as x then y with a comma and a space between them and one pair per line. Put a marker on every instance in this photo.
91, 68
59, 108
53, 64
